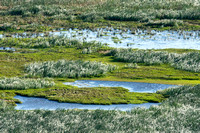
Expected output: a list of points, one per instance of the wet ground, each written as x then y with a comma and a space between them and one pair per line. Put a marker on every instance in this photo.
141, 39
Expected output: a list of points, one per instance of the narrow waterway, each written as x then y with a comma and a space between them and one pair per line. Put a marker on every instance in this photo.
31, 103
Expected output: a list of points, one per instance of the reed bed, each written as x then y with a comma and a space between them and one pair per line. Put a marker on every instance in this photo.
22, 83
186, 61
70, 69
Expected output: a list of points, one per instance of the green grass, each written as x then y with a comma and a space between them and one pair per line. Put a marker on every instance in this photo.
12, 64
96, 95
24, 83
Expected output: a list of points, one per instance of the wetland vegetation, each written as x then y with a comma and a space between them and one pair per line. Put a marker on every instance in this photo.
38, 15
44, 43
22, 84
179, 113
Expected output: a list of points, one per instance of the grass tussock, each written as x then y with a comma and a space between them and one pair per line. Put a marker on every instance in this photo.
70, 69
23, 83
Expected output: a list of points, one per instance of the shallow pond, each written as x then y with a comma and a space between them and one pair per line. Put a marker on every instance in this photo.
141, 39
31, 103
132, 86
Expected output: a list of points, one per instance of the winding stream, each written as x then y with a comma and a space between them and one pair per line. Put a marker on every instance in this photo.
31, 103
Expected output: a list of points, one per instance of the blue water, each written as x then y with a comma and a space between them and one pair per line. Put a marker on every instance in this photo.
7, 48
132, 86
31, 103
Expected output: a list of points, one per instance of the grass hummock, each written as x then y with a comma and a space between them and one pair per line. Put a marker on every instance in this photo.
70, 69
24, 83
185, 61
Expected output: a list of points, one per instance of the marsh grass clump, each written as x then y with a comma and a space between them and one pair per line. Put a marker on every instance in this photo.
50, 42
132, 65
70, 69
7, 27
164, 23
57, 41
140, 56
23, 83
28, 10
66, 42
186, 61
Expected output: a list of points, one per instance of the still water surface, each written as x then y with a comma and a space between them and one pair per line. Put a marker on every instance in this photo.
132, 86
31, 103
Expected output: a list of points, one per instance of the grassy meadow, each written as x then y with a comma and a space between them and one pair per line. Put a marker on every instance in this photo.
38, 66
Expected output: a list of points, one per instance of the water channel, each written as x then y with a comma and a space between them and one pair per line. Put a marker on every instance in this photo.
31, 103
